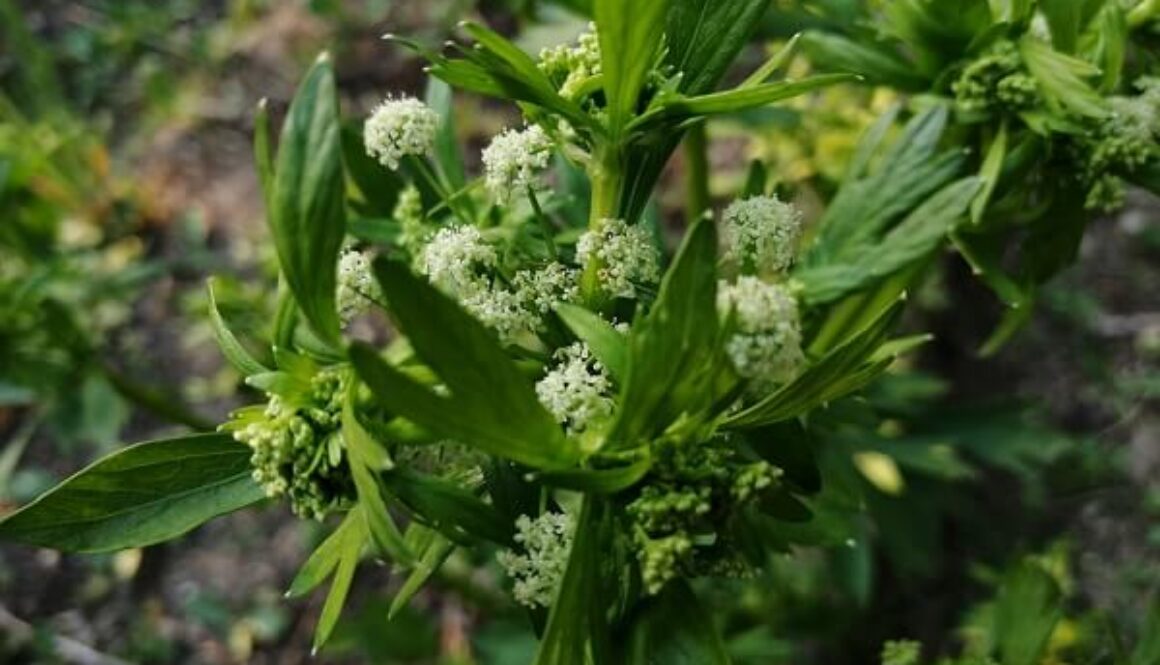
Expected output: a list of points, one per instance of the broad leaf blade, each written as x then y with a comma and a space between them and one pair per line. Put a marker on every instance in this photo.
630, 36
139, 496
704, 36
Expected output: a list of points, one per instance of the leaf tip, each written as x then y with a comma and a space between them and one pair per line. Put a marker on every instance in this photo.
323, 57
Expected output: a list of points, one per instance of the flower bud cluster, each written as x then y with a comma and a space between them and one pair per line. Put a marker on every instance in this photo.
538, 567
515, 161
413, 229
570, 65
622, 255
766, 347
400, 127
1123, 142
298, 451
691, 495
996, 81
760, 235
577, 390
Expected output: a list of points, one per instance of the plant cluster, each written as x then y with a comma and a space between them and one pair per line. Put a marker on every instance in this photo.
612, 420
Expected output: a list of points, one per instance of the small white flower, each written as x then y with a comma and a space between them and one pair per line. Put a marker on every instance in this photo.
357, 286
576, 391
515, 160
767, 345
760, 235
501, 310
454, 259
624, 255
400, 127
545, 542
540, 290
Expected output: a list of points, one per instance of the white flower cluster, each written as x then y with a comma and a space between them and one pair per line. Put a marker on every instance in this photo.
459, 261
537, 571
400, 127
760, 235
766, 349
576, 391
623, 254
455, 258
575, 63
514, 161
357, 287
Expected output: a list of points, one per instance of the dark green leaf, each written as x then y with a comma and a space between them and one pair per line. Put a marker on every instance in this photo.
675, 629
703, 38
570, 621
444, 506
630, 39
489, 388
1026, 613
144, 494
307, 214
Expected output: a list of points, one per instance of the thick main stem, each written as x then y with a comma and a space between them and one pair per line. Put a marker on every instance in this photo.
606, 173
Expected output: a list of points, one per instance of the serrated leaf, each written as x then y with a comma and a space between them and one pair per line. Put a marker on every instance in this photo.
139, 496
307, 213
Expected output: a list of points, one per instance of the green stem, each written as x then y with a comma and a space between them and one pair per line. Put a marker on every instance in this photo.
427, 172
1143, 13
696, 173
606, 173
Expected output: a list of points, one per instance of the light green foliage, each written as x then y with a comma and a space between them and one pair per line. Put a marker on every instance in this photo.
997, 81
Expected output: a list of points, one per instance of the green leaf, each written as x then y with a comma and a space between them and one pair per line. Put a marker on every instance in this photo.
263, 156
1063, 17
231, 348
439, 98
307, 214
916, 237
367, 458
844, 370
675, 629
1061, 78
1026, 613
630, 38
432, 549
321, 562
878, 64
736, 100
608, 345
703, 38
142, 495
599, 481
670, 348
1147, 649
990, 173
575, 607
350, 547
448, 508
494, 400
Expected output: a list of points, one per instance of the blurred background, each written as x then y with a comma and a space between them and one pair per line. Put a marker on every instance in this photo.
126, 180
